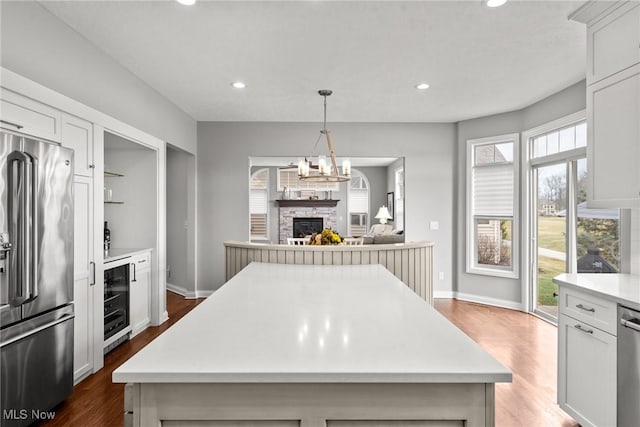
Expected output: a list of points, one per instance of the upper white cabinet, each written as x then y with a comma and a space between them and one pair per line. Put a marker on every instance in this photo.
78, 135
613, 134
613, 42
30, 117
613, 102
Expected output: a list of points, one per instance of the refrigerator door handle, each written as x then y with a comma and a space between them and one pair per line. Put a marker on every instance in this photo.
17, 205
32, 171
36, 330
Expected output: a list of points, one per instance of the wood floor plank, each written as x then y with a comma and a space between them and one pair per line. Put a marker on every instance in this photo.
97, 401
523, 343
526, 345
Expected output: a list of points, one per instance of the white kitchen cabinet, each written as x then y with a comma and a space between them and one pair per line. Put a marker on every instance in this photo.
84, 277
613, 41
613, 102
140, 292
613, 133
77, 134
27, 116
587, 358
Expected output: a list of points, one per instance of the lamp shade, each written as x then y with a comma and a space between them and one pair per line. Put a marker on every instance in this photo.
383, 214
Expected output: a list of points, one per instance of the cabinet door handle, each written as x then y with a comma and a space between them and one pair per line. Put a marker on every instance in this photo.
582, 307
580, 328
93, 272
11, 124
134, 273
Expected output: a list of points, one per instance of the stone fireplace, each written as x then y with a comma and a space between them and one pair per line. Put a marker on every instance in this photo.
306, 211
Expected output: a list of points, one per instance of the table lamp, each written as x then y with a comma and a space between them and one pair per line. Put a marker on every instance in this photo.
383, 214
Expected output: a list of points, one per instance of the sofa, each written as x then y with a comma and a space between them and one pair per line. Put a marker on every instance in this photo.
381, 234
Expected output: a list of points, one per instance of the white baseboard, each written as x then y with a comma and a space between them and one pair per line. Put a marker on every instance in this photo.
444, 294
181, 291
512, 305
204, 294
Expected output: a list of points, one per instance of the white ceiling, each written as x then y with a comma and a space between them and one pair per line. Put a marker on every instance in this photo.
478, 61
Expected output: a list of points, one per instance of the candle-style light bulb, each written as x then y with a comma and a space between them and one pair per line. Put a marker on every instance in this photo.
346, 167
303, 168
322, 165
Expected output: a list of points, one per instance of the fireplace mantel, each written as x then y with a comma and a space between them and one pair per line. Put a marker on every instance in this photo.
311, 203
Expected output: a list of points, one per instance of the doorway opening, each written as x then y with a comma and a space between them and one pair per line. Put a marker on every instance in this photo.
181, 220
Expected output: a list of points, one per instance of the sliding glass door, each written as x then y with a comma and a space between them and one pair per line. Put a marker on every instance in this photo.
568, 237
550, 234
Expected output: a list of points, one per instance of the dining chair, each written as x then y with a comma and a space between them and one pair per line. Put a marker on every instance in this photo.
353, 241
298, 241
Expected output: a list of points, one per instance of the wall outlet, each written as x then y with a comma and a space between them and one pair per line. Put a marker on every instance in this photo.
441, 275
434, 225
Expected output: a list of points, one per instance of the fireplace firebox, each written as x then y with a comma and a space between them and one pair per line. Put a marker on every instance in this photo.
306, 226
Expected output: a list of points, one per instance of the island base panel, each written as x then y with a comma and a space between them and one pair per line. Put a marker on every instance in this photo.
309, 405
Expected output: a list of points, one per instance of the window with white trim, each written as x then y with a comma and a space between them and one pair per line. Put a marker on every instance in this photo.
259, 205
559, 140
492, 213
358, 204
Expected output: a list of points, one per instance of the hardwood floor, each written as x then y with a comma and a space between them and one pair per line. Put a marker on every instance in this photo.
528, 347
98, 402
523, 343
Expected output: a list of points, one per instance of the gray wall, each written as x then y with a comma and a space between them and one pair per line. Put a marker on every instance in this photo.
134, 223
40, 47
224, 149
563, 103
180, 221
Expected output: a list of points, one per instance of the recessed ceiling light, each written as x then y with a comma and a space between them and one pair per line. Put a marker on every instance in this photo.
422, 86
186, 2
494, 3
238, 85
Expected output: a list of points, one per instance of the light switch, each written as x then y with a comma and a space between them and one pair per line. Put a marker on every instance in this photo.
434, 225
441, 275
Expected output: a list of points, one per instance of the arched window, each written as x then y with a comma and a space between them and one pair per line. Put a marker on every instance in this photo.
358, 204
259, 205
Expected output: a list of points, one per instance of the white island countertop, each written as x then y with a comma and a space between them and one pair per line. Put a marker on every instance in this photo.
621, 288
276, 323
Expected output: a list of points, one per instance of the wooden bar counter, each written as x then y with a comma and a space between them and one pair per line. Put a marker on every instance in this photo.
409, 262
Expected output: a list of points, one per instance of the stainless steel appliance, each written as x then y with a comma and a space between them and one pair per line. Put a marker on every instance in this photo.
116, 300
36, 277
628, 367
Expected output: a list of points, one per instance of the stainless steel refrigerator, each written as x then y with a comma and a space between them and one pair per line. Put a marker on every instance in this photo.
36, 277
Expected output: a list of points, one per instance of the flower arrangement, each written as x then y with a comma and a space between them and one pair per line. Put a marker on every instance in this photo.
325, 237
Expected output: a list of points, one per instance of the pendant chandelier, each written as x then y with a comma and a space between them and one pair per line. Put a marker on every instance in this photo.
324, 171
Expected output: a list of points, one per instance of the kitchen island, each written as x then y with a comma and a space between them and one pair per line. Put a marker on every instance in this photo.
311, 346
